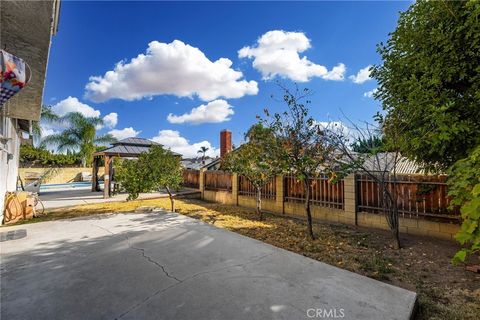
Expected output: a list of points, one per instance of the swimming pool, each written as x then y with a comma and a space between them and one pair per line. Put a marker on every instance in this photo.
71, 185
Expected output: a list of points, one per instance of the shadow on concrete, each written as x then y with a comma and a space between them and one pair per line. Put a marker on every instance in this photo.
163, 266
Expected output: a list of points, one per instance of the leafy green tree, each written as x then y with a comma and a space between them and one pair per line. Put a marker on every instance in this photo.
368, 145
305, 151
153, 170
80, 136
429, 81
464, 188
429, 86
256, 160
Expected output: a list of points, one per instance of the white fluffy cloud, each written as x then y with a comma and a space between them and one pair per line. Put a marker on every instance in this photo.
362, 75
213, 112
277, 54
124, 133
71, 104
335, 126
47, 129
170, 68
174, 141
110, 120
369, 94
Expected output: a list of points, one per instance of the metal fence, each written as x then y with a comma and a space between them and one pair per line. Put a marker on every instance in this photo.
323, 193
218, 180
191, 178
246, 188
416, 196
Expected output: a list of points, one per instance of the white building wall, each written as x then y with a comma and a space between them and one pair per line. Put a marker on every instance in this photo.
8, 165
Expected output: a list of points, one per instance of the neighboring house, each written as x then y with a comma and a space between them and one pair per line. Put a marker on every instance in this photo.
225, 147
385, 162
196, 163
26, 28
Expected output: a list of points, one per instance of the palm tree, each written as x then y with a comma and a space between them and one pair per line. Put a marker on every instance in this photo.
47, 116
80, 136
203, 150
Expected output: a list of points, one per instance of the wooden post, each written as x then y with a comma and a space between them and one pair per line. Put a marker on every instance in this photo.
106, 179
201, 182
94, 174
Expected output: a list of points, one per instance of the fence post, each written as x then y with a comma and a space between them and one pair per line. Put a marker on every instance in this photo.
350, 197
201, 182
279, 189
235, 188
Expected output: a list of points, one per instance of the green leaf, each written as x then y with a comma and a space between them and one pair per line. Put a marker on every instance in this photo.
460, 256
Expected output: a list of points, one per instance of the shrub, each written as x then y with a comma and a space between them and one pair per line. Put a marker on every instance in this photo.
31, 156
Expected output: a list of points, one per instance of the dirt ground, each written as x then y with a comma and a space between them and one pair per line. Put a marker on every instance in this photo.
422, 264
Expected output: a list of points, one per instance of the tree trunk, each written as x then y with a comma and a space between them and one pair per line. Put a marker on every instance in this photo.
396, 239
307, 208
259, 203
172, 200
391, 212
395, 223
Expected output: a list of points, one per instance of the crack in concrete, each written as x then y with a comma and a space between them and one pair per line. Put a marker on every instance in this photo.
104, 229
250, 261
178, 281
148, 258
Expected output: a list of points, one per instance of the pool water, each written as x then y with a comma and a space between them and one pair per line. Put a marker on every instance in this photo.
71, 185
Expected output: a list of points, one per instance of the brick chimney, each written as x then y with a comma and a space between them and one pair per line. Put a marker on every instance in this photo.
225, 142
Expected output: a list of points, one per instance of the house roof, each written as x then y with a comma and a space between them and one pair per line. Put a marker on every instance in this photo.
381, 162
136, 142
196, 164
386, 162
26, 31
129, 147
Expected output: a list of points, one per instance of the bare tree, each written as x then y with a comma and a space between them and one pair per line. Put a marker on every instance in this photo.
377, 161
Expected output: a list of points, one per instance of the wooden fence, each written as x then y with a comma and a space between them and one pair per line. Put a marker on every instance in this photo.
191, 178
323, 193
246, 188
218, 180
416, 196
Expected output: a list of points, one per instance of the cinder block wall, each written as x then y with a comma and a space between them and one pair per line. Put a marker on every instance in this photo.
62, 175
348, 215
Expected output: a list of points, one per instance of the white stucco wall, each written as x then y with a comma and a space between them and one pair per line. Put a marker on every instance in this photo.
8, 167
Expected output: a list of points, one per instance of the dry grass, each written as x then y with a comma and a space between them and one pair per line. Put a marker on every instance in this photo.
422, 265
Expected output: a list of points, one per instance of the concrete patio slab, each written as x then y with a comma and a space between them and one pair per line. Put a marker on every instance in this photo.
167, 266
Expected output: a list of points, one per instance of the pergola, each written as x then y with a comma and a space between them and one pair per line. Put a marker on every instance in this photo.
126, 148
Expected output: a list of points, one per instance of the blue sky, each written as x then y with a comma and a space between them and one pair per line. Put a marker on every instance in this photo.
176, 77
